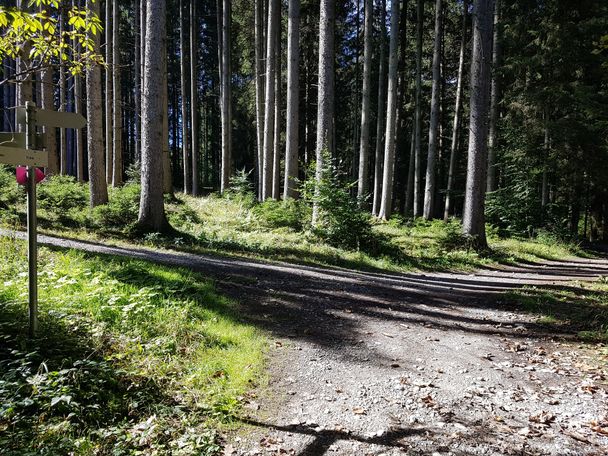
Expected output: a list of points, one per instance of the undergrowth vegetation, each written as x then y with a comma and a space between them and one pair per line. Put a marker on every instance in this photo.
131, 358
236, 223
580, 308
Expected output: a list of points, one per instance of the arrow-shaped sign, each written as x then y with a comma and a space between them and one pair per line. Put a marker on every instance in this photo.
16, 156
57, 119
18, 140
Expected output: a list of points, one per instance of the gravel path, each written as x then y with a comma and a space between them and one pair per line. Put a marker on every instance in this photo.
386, 364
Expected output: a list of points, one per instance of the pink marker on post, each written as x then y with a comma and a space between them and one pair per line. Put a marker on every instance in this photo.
21, 174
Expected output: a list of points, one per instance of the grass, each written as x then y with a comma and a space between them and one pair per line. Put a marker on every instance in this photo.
275, 231
580, 308
131, 357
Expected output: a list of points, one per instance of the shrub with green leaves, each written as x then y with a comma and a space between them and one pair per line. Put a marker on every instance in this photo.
241, 188
10, 193
121, 210
340, 221
63, 199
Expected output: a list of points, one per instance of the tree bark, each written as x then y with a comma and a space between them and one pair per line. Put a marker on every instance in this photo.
98, 188
269, 105
137, 82
409, 191
362, 187
457, 115
429, 191
386, 203
151, 209
259, 91
473, 221
494, 98
78, 110
381, 120
167, 174
418, 113
63, 146
293, 97
117, 168
546, 149
325, 103
184, 106
276, 165
194, 96
226, 98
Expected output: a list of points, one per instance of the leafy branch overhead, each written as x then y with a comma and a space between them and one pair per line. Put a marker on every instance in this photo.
35, 35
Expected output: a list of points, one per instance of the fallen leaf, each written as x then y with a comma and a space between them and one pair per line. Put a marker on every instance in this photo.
359, 411
600, 430
543, 418
429, 401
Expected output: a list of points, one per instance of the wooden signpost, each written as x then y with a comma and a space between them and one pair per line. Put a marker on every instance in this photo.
21, 149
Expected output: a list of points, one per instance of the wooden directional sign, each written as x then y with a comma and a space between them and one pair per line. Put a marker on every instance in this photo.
47, 118
18, 140
23, 157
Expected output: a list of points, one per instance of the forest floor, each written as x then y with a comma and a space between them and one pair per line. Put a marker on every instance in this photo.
485, 363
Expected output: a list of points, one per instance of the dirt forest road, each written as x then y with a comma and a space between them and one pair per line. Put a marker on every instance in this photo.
367, 363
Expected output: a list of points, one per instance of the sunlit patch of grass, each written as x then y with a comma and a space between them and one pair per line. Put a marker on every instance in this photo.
131, 356
579, 308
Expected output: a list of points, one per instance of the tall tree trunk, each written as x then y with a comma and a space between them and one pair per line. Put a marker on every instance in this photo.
117, 103
167, 174
78, 132
546, 149
473, 220
402, 90
429, 191
137, 88
293, 104
418, 114
98, 188
151, 208
226, 97
108, 94
362, 187
63, 146
409, 191
269, 105
381, 120
184, 106
325, 103
494, 98
194, 150
276, 165
259, 90
25, 87
386, 203
48, 102
78, 109
457, 115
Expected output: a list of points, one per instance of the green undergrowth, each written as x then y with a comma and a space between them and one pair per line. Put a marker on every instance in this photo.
130, 358
577, 308
277, 230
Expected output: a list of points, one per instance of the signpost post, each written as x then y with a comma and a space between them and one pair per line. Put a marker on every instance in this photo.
13, 153
32, 241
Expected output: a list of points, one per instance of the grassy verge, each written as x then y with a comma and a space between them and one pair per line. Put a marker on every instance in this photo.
580, 308
131, 358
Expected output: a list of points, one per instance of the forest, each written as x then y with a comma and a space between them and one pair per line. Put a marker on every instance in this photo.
381, 95
360, 144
